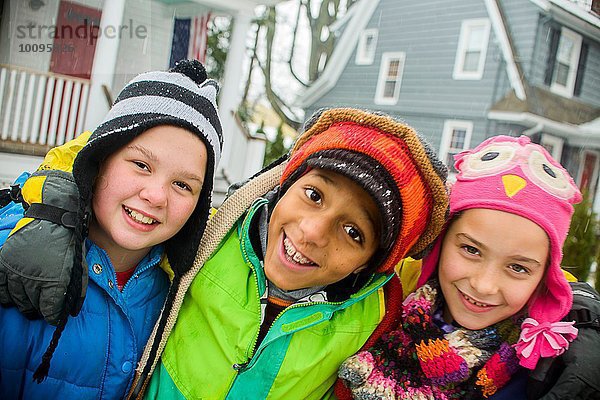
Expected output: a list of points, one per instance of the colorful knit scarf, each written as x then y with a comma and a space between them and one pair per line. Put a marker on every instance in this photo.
420, 361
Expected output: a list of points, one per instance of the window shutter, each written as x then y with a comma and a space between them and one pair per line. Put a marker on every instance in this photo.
581, 68
552, 49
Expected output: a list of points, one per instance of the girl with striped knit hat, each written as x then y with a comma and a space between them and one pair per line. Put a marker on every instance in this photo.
112, 222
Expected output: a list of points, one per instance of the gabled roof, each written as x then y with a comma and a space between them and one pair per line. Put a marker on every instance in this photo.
551, 113
572, 15
341, 53
563, 10
507, 48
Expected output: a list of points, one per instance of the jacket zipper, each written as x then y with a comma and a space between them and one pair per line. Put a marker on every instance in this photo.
257, 351
137, 274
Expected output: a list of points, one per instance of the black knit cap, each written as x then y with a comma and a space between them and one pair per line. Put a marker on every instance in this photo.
371, 175
183, 97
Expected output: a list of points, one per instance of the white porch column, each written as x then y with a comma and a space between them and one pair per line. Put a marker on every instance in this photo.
105, 61
230, 94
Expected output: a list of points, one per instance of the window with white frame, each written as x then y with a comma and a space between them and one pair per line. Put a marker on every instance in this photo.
553, 145
365, 52
587, 176
472, 49
456, 137
565, 65
390, 78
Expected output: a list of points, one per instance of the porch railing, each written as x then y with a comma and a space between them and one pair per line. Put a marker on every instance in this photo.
40, 108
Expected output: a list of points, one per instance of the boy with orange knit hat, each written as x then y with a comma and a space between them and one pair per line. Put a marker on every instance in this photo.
302, 273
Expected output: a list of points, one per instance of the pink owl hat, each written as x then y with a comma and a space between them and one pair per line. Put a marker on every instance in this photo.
514, 175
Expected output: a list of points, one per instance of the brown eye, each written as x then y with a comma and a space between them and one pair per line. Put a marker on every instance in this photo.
471, 250
141, 165
183, 186
519, 269
313, 195
353, 233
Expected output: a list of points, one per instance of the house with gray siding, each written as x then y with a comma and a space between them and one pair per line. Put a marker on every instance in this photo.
462, 71
62, 62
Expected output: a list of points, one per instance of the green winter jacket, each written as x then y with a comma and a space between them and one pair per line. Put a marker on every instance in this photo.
212, 352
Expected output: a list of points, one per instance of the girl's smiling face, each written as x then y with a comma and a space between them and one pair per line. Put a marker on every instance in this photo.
324, 228
146, 191
490, 265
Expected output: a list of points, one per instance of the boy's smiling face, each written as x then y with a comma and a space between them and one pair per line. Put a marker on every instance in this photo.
324, 228
490, 265
146, 191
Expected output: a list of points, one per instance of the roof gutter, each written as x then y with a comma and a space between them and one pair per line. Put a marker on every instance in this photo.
575, 134
532, 131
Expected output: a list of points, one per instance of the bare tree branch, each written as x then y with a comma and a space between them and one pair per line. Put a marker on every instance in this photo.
321, 47
291, 57
279, 106
252, 60
275, 100
322, 42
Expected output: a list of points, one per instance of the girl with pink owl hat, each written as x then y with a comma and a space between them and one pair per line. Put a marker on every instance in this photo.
491, 296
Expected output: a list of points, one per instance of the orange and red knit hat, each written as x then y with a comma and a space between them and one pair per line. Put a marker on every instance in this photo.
389, 160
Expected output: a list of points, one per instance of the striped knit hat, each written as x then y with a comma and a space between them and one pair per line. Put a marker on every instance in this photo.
391, 162
183, 97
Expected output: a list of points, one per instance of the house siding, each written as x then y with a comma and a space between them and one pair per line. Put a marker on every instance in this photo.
520, 16
18, 15
428, 93
590, 91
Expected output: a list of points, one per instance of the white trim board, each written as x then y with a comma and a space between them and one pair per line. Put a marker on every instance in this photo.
500, 32
580, 135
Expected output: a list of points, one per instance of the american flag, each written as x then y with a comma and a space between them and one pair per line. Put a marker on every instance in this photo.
190, 37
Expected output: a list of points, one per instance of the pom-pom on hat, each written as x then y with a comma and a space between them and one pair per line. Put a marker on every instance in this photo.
516, 176
391, 162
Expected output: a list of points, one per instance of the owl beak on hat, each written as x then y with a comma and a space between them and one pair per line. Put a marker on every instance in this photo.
513, 184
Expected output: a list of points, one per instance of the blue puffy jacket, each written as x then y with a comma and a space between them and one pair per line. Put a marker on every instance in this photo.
98, 351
